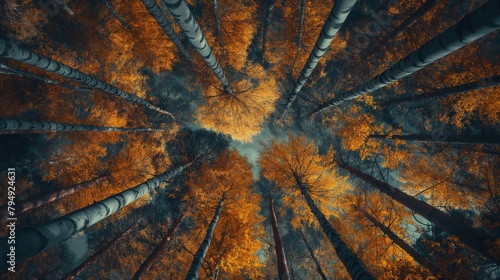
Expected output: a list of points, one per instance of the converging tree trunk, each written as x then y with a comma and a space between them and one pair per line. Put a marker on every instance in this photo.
11, 50
336, 18
115, 13
353, 265
153, 257
280, 250
486, 139
15, 126
489, 82
301, 22
217, 18
420, 12
181, 13
6, 70
465, 233
421, 259
74, 273
40, 200
38, 238
156, 12
313, 257
480, 23
265, 27
194, 269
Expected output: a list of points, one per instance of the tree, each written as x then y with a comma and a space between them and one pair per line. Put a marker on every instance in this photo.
153, 257
301, 24
115, 13
465, 233
217, 18
474, 26
420, 12
492, 81
40, 200
298, 164
455, 139
11, 50
155, 11
202, 251
280, 251
265, 27
336, 18
16, 126
421, 259
313, 257
36, 239
188, 24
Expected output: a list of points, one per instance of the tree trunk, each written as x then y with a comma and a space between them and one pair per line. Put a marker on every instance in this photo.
280, 251
4, 69
485, 139
217, 19
465, 233
115, 14
15, 126
313, 257
11, 50
422, 260
33, 240
474, 26
265, 28
40, 200
301, 22
153, 257
353, 265
420, 12
194, 269
489, 82
155, 11
337, 16
181, 13
96, 255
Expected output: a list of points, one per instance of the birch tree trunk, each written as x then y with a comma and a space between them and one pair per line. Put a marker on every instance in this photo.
181, 13
489, 82
6, 70
280, 251
15, 126
313, 257
115, 14
194, 269
334, 22
301, 22
421, 259
485, 139
478, 24
420, 12
465, 233
217, 19
153, 257
155, 11
33, 240
40, 200
11, 50
353, 265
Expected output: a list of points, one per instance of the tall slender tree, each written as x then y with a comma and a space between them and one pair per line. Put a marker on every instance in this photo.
153, 257
115, 13
478, 24
181, 13
16, 126
455, 139
421, 259
278, 245
336, 18
11, 50
465, 233
420, 12
313, 257
40, 200
265, 27
489, 82
33, 240
156, 12
194, 269
301, 22
215, 4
